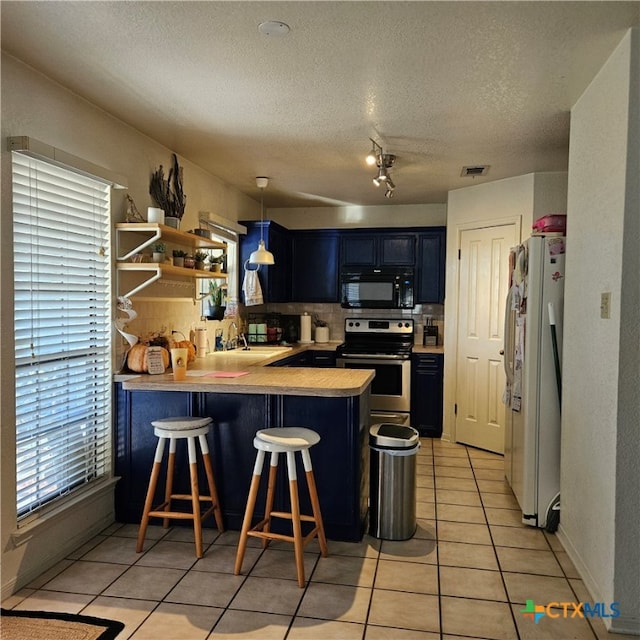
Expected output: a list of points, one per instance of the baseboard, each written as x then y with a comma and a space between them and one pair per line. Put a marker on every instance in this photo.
625, 624
56, 555
622, 624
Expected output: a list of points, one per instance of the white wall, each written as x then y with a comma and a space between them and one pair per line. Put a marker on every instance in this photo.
34, 106
520, 200
409, 215
600, 485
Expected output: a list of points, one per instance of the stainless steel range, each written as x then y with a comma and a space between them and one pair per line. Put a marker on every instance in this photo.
383, 345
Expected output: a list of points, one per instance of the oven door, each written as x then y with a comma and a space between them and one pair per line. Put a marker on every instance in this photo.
391, 387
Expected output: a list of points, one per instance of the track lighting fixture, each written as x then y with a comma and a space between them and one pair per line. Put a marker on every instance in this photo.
261, 255
376, 151
384, 162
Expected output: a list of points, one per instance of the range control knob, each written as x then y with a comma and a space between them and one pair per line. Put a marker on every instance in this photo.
357, 324
399, 325
407, 325
351, 324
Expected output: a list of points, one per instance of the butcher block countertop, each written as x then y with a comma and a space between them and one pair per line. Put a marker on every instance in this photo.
247, 373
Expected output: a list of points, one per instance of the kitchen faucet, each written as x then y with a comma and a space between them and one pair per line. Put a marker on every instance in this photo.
241, 335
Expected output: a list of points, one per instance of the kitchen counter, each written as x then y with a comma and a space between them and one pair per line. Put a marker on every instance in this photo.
292, 381
257, 378
421, 349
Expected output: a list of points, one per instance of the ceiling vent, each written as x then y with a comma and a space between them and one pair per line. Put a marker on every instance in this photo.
475, 170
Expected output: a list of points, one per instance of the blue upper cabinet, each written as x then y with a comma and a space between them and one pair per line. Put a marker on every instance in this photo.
379, 249
275, 280
308, 262
430, 266
314, 266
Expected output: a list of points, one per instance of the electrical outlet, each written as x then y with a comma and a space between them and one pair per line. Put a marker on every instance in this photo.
605, 305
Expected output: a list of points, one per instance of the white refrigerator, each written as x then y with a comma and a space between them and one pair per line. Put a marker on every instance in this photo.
532, 359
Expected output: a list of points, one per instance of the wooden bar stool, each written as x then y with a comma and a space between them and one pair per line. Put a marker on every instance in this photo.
174, 429
288, 440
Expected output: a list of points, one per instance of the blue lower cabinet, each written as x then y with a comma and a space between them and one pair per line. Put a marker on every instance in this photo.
426, 393
298, 360
340, 459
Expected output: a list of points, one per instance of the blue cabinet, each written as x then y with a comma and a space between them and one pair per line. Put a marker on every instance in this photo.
275, 280
311, 358
426, 393
314, 266
324, 358
377, 249
307, 263
430, 266
340, 459
298, 360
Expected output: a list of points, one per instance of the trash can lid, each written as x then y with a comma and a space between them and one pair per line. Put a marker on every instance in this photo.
393, 436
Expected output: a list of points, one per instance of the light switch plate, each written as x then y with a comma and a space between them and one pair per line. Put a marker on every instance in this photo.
605, 305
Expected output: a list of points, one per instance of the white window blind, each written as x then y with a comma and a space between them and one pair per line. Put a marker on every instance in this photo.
62, 294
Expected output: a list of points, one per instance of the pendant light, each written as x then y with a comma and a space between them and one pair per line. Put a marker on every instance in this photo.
261, 255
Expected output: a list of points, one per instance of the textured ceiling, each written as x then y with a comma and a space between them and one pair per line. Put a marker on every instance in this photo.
439, 84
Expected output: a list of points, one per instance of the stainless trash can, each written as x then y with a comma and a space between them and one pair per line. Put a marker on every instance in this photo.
392, 500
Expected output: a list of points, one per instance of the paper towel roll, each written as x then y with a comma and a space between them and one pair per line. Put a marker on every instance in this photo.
305, 328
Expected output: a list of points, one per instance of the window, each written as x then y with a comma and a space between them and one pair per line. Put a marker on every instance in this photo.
222, 231
62, 294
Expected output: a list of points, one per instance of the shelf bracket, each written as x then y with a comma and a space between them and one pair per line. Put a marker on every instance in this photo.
143, 245
155, 275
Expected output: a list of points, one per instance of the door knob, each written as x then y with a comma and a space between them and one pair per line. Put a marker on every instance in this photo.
501, 352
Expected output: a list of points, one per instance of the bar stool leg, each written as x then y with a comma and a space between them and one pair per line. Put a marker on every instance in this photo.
195, 496
169, 483
213, 492
315, 503
248, 514
148, 503
295, 517
271, 491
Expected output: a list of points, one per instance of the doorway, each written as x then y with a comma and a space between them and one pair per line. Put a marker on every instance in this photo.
480, 379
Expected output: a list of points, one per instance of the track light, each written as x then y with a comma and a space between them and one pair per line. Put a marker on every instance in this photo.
374, 154
384, 162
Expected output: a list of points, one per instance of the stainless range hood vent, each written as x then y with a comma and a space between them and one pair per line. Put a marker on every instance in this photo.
476, 170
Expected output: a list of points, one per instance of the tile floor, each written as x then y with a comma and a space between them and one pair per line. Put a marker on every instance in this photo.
467, 573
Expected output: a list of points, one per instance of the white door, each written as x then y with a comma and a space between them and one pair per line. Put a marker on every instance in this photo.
484, 281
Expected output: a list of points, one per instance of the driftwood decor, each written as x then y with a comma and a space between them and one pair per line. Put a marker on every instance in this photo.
168, 193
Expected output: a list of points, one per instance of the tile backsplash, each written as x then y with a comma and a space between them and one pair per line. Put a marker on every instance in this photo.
334, 315
181, 315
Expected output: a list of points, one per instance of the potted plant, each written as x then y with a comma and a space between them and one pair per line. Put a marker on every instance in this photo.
216, 301
178, 257
168, 194
189, 261
158, 251
322, 329
199, 257
216, 263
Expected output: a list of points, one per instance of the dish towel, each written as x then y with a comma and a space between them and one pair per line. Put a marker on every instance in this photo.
251, 288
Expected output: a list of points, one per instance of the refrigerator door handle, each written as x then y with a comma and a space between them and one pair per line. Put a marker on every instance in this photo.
508, 337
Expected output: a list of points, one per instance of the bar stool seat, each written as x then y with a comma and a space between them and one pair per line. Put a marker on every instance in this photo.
287, 440
172, 430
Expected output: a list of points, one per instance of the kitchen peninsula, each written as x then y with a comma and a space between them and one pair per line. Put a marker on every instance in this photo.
333, 402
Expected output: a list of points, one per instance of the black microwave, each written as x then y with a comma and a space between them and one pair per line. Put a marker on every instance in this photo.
377, 288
